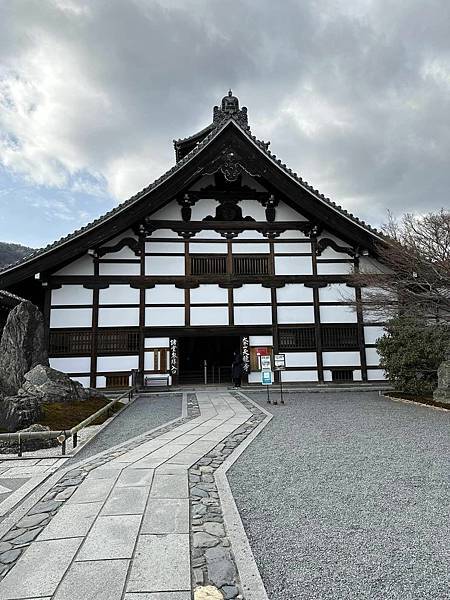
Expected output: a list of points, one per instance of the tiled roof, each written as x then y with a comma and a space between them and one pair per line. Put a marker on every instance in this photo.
263, 147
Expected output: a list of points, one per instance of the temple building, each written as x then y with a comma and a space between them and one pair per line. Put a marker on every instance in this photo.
230, 250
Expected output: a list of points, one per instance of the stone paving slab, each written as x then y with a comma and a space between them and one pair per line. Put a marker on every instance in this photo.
29, 578
73, 520
96, 490
102, 580
135, 477
126, 501
156, 596
167, 515
170, 486
161, 563
111, 537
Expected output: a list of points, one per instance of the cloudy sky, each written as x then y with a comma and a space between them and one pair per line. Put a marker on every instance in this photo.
353, 94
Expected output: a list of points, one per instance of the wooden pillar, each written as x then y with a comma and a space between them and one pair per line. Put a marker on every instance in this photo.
360, 317
316, 300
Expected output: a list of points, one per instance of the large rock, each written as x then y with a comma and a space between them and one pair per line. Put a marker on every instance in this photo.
22, 346
17, 412
442, 393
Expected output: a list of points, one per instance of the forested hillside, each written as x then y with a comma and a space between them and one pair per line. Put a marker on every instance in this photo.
10, 253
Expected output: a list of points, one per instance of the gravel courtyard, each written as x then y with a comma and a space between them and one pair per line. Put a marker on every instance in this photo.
345, 496
147, 412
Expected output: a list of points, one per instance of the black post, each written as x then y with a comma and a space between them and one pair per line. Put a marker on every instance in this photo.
75, 439
268, 395
63, 447
281, 388
19, 453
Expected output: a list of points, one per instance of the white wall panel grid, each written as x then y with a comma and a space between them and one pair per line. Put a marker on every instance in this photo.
251, 292
338, 314
158, 316
209, 294
301, 359
289, 248
164, 265
334, 268
295, 314
252, 208
286, 213
208, 234
299, 376
175, 247
164, 294
252, 315
372, 334
376, 374
341, 359
293, 234
149, 361
249, 248
293, 265
205, 248
116, 268
372, 357
261, 340
80, 266
163, 233
107, 364
295, 292
157, 342
250, 234
209, 315
337, 292
119, 294
118, 317
75, 364
70, 317
71, 294
203, 208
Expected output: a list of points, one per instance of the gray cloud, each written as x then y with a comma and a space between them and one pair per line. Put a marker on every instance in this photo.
354, 96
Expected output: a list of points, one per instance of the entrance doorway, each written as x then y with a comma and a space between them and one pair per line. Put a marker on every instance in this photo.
216, 350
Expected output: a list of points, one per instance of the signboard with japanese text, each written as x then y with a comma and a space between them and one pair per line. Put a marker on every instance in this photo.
279, 361
266, 363
266, 377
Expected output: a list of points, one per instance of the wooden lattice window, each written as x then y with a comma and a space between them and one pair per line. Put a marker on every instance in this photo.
214, 264
70, 342
340, 337
117, 381
340, 375
117, 340
298, 338
248, 264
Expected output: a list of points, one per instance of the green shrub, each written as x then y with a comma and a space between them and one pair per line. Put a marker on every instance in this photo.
411, 353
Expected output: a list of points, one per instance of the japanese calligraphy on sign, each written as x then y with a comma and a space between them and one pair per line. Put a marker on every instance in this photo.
246, 354
173, 343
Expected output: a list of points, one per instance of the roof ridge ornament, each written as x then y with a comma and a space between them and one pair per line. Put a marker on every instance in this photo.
229, 109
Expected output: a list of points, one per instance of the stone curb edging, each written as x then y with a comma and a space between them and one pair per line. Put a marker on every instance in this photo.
217, 560
408, 401
27, 521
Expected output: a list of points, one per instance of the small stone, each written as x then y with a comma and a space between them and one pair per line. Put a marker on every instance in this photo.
221, 569
4, 546
215, 529
32, 520
13, 534
207, 478
66, 493
194, 478
208, 592
225, 542
204, 540
198, 510
10, 556
229, 591
27, 536
198, 576
44, 507
206, 469
198, 562
209, 501
196, 491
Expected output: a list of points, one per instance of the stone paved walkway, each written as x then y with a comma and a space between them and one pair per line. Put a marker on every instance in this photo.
124, 534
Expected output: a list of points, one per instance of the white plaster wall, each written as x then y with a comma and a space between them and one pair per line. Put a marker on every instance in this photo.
252, 208
208, 234
294, 292
329, 236
209, 315
106, 364
205, 248
125, 252
203, 208
371, 334
251, 292
250, 234
209, 294
293, 265
285, 248
164, 294
376, 375
252, 315
129, 233
173, 316
301, 359
81, 266
299, 376
71, 317
341, 359
357, 375
119, 268
75, 364
164, 265
256, 248
334, 268
368, 264
338, 314
85, 381
119, 294
295, 314
161, 342
293, 234
165, 233
286, 213
337, 292
171, 212
175, 247
118, 317
149, 361
330, 253
261, 340
372, 357
71, 294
